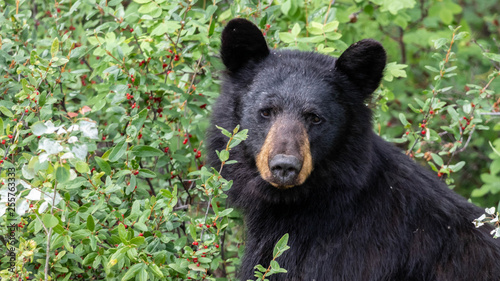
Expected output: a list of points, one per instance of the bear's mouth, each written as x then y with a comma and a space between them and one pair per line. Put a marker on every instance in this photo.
285, 161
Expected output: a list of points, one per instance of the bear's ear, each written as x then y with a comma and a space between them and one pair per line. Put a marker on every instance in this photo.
363, 63
242, 42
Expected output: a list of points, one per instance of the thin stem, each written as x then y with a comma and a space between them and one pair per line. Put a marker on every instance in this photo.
49, 235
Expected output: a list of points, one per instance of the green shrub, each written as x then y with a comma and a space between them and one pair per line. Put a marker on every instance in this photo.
104, 106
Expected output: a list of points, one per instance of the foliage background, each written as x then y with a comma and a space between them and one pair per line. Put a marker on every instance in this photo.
104, 105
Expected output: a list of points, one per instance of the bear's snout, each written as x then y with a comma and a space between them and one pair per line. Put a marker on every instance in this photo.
285, 158
285, 169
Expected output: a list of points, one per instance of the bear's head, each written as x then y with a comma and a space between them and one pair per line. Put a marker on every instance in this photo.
302, 109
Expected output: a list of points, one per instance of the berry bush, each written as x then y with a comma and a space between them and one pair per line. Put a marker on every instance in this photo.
104, 107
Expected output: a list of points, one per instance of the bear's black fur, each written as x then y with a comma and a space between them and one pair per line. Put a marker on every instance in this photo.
355, 207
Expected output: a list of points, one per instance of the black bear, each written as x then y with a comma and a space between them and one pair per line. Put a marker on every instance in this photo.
355, 206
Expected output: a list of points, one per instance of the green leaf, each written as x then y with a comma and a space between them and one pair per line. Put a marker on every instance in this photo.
137, 240
225, 212
156, 270
55, 47
82, 167
177, 268
394, 69
62, 174
331, 26
147, 8
224, 155
457, 167
147, 173
139, 118
146, 151
50, 220
118, 151
296, 30
492, 56
6, 112
104, 165
403, 120
437, 159
286, 6
74, 7
286, 37
280, 246
142, 275
38, 128
90, 223
165, 28
224, 131
132, 271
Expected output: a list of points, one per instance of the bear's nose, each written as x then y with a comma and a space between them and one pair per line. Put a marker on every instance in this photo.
285, 169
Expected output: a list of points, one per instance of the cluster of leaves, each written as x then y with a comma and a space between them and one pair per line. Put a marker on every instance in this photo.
274, 267
104, 107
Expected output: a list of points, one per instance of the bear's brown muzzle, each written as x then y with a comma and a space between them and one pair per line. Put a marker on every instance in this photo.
285, 157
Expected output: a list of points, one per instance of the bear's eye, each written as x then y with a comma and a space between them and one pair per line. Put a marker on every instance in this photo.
315, 119
266, 113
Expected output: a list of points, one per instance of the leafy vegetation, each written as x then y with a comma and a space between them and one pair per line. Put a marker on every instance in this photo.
104, 106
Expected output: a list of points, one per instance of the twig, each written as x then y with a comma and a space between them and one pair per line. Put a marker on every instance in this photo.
49, 235
328, 11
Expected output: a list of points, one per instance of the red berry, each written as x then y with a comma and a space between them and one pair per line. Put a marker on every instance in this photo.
3, 141
10, 136
71, 28
166, 149
423, 132
268, 26
103, 138
195, 243
422, 126
176, 57
132, 79
203, 106
185, 141
195, 259
407, 133
216, 245
89, 267
131, 30
140, 234
31, 205
164, 65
